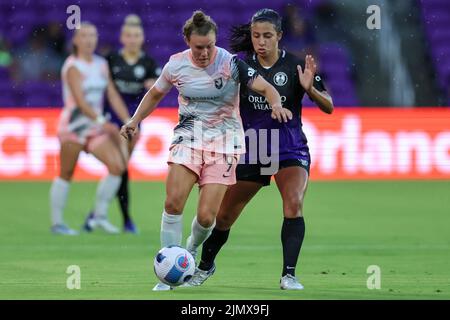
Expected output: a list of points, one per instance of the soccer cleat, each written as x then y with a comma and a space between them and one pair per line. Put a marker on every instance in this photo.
129, 227
289, 282
162, 287
199, 277
89, 223
63, 230
107, 226
93, 222
190, 248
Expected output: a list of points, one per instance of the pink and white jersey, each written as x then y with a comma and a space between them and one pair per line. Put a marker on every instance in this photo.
208, 100
94, 82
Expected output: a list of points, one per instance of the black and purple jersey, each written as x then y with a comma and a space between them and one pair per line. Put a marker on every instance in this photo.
256, 112
129, 80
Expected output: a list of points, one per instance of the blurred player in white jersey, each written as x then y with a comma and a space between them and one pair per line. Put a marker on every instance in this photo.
82, 127
209, 137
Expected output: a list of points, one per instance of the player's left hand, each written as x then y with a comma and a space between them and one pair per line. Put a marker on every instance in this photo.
281, 114
129, 129
306, 77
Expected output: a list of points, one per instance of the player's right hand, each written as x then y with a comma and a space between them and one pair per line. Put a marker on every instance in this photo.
129, 129
281, 114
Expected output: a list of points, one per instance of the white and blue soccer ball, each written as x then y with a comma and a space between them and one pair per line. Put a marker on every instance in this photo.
174, 265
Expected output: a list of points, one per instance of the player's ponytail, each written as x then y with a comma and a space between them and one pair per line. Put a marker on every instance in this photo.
199, 23
241, 39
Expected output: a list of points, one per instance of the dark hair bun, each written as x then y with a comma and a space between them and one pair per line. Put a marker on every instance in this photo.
199, 23
199, 18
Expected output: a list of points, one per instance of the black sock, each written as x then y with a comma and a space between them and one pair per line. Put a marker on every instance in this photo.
292, 234
122, 195
211, 248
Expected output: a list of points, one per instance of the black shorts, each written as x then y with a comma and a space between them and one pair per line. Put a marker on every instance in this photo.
252, 172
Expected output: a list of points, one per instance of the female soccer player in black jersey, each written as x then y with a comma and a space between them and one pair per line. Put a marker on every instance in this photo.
133, 72
290, 157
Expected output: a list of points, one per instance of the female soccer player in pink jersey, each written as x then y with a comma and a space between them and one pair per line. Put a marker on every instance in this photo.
82, 127
290, 160
209, 137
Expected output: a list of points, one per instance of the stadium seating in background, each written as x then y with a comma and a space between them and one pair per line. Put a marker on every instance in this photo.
436, 17
162, 21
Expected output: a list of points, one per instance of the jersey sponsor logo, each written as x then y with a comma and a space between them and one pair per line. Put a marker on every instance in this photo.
260, 102
116, 69
218, 83
201, 98
250, 72
139, 71
280, 78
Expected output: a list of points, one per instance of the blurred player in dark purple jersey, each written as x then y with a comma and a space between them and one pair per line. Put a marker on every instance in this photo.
133, 73
287, 150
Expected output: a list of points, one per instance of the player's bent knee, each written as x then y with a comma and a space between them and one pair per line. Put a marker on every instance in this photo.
116, 168
173, 205
224, 222
293, 207
206, 222
206, 218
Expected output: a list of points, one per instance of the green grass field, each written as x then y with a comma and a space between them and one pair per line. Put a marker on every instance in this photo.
403, 227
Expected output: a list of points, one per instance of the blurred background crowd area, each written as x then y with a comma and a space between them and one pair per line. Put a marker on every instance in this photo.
406, 63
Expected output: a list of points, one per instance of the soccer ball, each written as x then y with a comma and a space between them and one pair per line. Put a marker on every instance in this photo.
174, 265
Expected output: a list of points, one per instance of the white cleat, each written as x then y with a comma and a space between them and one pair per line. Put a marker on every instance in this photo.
199, 277
92, 222
162, 287
63, 229
107, 226
289, 282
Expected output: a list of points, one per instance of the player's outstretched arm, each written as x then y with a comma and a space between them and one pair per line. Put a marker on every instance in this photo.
306, 77
148, 84
261, 86
146, 107
116, 101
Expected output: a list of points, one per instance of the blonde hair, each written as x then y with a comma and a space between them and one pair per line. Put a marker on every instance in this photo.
132, 20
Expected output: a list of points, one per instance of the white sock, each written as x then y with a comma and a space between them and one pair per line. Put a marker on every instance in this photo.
199, 234
58, 198
106, 191
171, 229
